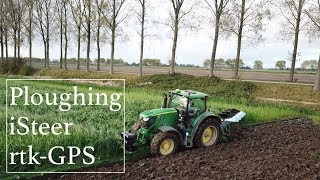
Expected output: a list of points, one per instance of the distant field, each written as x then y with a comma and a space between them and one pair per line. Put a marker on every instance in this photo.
263, 75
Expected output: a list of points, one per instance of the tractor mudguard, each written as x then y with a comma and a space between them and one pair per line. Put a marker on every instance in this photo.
195, 127
171, 129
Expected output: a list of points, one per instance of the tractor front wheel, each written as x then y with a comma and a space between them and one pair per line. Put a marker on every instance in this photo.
164, 143
207, 134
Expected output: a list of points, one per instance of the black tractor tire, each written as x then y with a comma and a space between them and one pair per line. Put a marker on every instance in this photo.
198, 138
159, 139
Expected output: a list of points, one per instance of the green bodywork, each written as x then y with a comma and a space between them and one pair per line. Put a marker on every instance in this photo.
167, 118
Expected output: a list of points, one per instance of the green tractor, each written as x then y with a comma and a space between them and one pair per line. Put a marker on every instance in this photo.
183, 121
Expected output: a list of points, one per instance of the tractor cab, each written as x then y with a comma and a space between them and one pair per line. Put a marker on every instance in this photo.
188, 103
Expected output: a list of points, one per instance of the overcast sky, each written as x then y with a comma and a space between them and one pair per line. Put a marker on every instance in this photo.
193, 47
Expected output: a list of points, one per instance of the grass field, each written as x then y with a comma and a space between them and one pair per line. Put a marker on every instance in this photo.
105, 127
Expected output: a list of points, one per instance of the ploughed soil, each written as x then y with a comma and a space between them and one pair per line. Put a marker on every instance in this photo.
288, 149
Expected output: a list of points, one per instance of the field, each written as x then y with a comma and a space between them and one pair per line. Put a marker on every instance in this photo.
260, 75
141, 94
281, 150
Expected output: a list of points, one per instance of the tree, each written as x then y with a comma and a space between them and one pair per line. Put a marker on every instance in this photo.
309, 64
206, 63
28, 25
231, 63
2, 30
78, 18
178, 19
219, 63
151, 62
170, 63
45, 15
65, 9
247, 21
258, 64
87, 26
114, 18
281, 64
314, 31
142, 19
100, 6
217, 8
60, 20
14, 16
291, 11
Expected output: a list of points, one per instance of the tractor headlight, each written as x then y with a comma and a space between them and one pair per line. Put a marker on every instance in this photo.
147, 122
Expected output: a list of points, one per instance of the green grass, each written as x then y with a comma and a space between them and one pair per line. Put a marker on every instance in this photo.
106, 126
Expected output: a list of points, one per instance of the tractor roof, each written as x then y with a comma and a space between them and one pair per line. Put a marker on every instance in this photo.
190, 94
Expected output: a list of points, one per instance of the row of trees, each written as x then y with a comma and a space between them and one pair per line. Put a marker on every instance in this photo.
102, 21
258, 64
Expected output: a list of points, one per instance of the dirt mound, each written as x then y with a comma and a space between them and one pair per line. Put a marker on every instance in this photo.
287, 149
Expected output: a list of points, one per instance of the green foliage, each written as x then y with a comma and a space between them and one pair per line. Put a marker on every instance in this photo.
151, 62
310, 65
115, 61
218, 63
26, 70
15, 66
258, 64
206, 63
231, 63
213, 86
281, 64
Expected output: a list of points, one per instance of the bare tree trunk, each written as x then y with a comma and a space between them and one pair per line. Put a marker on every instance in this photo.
19, 38
45, 53
61, 38
65, 36
1, 36
48, 48
79, 41
1, 32
48, 40
30, 35
113, 35
89, 37
215, 43
174, 45
6, 43
15, 46
112, 51
98, 44
317, 81
142, 37
296, 40
236, 68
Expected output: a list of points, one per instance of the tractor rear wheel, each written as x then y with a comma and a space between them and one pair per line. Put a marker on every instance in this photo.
164, 143
208, 133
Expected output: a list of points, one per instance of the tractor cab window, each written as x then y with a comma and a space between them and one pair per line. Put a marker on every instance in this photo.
178, 102
196, 106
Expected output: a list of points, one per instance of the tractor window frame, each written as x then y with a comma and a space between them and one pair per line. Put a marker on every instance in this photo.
202, 99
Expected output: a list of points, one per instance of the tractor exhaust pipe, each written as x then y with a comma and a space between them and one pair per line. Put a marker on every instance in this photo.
165, 100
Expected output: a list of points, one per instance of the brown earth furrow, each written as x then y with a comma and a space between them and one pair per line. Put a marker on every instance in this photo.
288, 149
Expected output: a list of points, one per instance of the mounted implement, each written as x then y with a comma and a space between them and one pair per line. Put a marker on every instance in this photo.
183, 120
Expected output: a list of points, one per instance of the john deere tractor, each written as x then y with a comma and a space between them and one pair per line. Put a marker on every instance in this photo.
183, 121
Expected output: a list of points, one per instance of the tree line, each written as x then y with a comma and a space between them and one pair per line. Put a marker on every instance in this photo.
104, 22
